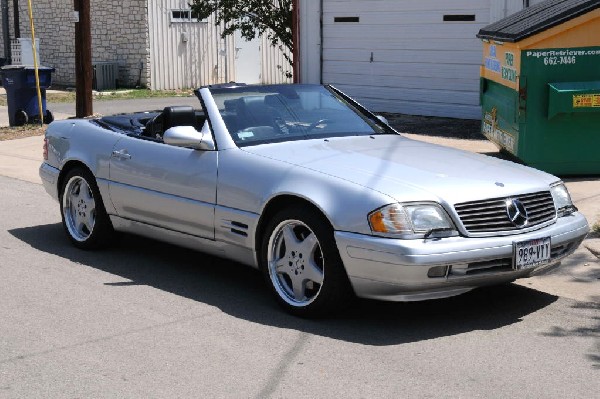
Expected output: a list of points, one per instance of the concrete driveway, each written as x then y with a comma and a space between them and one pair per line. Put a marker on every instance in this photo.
149, 320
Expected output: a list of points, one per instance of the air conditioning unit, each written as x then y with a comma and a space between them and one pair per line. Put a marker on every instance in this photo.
22, 51
105, 75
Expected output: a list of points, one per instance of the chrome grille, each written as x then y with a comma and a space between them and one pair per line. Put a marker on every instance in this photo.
490, 215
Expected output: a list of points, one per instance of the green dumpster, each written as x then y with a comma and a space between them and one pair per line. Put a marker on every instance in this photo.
540, 86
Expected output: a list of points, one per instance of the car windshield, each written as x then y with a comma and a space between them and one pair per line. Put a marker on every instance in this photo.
275, 113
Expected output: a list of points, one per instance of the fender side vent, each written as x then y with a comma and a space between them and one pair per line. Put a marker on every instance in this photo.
239, 232
238, 228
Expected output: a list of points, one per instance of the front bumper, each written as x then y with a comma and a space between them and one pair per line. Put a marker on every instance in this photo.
49, 176
397, 270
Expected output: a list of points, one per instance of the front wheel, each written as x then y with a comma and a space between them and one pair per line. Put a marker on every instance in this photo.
83, 215
302, 265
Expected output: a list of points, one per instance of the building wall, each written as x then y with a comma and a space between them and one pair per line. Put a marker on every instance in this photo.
274, 67
185, 54
310, 41
119, 34
140, 36
193, 54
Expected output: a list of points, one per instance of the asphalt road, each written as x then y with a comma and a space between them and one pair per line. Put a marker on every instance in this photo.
145, 319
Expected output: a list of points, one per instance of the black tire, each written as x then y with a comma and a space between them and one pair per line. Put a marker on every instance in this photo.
83, 214
306, 282
21, 118
48, 117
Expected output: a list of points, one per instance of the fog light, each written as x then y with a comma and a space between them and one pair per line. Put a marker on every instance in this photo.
438, 271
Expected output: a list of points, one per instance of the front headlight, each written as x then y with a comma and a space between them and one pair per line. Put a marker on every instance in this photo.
562, 200
410, 219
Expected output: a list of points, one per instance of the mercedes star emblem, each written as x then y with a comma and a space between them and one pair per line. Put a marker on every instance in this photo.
516, 212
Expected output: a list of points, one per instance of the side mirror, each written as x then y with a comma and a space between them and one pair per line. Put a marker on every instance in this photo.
188, 136
383, 119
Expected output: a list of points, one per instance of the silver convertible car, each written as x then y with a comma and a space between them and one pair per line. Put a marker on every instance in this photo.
303, 183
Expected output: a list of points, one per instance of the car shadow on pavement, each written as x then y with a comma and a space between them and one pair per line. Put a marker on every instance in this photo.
239, 291
589, 331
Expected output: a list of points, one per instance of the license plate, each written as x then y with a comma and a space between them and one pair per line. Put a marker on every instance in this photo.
531, 253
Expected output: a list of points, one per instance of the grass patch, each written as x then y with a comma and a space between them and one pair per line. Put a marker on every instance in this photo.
141, 93
596, 230
19, 132
60, 97
130, 94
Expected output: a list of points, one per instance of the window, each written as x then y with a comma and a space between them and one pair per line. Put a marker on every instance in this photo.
184, 16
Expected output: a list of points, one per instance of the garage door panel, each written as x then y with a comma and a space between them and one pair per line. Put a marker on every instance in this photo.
400, 71
369, 17
422, 95
423, 108
379, 81
401, 56
402, 52
417, 32
394, 43
404, 5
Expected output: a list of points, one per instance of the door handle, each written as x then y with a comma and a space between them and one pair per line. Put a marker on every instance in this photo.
121, 154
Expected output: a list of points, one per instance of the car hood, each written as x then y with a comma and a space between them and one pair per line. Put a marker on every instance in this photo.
409, 170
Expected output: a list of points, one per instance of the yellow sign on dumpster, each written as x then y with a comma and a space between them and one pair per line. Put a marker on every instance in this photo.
586, 101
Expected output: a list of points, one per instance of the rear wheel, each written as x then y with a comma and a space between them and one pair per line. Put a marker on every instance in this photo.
84, 218
48, 117
302, 265
21, 118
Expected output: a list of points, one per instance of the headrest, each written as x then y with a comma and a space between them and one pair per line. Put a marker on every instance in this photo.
230, 105
182, 115
254, 103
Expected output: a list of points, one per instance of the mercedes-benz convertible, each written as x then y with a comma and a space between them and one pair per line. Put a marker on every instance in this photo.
322, 196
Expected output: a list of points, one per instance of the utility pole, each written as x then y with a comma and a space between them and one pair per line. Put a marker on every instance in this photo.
16, 18
83, 60
5, 32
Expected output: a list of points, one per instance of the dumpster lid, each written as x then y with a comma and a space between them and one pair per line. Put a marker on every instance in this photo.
15, 67
535, 19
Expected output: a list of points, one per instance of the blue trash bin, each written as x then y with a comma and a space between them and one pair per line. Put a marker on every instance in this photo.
21, 93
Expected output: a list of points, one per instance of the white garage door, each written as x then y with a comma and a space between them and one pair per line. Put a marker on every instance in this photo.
411, 56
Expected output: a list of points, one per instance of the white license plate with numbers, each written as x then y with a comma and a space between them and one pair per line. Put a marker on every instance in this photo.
531, 253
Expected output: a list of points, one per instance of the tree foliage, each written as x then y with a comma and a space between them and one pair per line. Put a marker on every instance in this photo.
252, 18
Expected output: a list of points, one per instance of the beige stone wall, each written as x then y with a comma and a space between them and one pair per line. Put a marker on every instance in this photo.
119, 33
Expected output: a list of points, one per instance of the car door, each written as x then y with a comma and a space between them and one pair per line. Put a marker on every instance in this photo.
164, 185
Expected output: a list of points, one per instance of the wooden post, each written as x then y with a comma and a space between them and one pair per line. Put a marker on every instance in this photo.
5, 31
83, 60
296, 40
16, 19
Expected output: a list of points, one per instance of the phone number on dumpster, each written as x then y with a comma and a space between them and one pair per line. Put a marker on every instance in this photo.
565, 60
